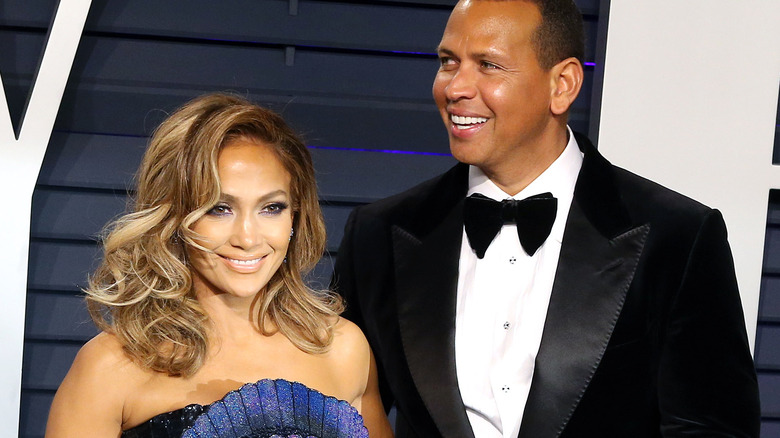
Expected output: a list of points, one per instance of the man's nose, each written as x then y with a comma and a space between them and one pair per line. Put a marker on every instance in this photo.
462, 85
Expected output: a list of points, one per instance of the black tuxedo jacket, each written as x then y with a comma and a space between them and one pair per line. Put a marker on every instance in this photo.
644, 335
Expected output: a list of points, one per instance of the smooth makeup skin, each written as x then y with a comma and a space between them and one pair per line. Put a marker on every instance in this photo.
247, 233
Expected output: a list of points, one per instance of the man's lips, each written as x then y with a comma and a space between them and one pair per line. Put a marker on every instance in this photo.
467, 121
466, 126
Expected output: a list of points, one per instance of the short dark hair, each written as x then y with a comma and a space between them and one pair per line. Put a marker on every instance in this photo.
561, 34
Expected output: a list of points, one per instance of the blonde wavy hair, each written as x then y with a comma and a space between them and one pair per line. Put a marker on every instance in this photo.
142, 292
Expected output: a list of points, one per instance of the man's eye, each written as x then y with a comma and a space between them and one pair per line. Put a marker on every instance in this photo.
488, 65
445, 60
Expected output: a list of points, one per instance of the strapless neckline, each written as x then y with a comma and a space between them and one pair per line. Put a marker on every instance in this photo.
278, 408
175, 421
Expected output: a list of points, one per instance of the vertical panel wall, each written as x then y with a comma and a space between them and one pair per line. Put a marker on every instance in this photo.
767, 354
768, 331
353, 77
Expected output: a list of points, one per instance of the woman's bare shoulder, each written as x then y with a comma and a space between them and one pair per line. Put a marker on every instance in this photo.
94, 390
105, 347
349, 340
103, 357
350, 352
358, 366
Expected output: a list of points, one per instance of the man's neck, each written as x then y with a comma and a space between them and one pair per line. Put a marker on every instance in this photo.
528, 164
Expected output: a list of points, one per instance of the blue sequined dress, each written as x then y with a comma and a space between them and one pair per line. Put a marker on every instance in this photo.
266, 409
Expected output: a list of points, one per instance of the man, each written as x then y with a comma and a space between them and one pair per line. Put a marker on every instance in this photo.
603, 306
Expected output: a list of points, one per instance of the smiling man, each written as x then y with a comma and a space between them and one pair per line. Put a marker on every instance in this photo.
535, 290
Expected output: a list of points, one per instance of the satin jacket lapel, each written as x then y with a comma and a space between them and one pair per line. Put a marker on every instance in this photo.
590, 287
599, 256
426, 272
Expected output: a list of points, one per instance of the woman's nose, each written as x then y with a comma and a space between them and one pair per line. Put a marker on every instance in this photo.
246, 233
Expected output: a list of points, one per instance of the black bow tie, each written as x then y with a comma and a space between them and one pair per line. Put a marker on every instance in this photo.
534, 216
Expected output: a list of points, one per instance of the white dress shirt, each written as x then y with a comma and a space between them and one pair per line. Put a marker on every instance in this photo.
502, 304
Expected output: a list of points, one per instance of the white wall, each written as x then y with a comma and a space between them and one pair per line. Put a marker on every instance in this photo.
690, 100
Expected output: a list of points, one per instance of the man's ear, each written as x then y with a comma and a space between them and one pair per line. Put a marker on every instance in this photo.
567, 77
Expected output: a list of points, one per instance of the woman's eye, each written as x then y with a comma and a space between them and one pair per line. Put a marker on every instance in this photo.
219, 210
275, 208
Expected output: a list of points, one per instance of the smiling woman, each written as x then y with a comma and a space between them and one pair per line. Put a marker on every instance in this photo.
200, 295
245, 237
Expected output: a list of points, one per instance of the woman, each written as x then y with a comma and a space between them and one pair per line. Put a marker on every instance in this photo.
200, 295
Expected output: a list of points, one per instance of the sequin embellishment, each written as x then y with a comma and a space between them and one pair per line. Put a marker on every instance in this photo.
278, 409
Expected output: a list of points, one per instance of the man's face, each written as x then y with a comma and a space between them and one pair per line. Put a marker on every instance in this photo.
492, 94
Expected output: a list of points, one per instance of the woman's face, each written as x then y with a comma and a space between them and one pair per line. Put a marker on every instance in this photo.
248, 231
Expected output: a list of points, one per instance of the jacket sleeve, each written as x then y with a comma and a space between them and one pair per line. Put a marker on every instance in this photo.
344, 282
706, 378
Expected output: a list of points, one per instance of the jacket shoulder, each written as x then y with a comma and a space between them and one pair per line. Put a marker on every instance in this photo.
674, 218
604, 185
436, 195
643, 196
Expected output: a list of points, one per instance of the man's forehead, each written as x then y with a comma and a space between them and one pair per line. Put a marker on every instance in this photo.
496, 19
520, 12
535, 5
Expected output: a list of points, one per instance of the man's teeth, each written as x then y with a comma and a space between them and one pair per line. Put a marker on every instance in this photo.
244, 262
461, 120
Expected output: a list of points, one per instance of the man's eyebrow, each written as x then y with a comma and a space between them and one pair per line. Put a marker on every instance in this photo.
442, 50
489, 53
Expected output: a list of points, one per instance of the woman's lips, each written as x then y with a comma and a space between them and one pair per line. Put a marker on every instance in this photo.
244, 264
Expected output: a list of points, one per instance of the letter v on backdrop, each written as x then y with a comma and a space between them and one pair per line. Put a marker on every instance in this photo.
20, 162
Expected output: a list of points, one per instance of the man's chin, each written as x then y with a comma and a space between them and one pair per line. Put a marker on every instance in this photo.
466, 154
